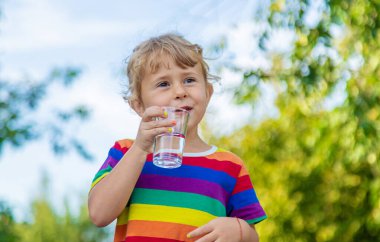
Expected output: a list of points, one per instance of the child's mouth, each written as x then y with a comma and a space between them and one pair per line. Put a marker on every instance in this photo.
188, 108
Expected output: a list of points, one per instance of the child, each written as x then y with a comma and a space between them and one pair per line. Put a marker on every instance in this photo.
210, 197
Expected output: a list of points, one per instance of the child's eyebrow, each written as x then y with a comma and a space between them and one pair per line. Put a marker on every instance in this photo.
160, 78
186, 73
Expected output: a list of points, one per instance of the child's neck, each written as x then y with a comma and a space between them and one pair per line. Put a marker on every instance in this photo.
194, 143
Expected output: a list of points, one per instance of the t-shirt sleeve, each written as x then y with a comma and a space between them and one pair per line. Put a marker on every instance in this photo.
116, 152
243, 202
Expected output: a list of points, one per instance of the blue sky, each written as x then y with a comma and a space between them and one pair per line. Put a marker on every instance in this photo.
37, 35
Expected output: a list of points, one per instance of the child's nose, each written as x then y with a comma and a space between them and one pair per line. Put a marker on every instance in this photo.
180, 91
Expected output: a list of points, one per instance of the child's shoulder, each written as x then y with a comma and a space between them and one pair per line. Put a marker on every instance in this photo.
223, 154
123, 143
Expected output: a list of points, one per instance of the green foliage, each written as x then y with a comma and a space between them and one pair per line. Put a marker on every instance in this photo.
316, 169
20, 100
7, 230
48, 226
45, 224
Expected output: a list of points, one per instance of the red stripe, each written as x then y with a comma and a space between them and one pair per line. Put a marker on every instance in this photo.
123, 149
243, 183
226, 166
149, 157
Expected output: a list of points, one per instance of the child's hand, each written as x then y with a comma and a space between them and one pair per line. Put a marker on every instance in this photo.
219, 229
150, 127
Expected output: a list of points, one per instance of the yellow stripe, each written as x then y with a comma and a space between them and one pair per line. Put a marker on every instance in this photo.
123, 217
178, 215
97, 180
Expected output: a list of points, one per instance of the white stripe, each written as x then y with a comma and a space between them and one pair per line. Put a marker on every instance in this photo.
204, 153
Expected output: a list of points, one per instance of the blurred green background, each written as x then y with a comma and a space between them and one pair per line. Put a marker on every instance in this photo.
315, 164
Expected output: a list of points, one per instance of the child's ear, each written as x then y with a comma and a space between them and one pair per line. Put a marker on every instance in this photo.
137, 106
209, 91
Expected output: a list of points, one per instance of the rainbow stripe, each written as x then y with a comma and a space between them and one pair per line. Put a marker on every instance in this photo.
166, 204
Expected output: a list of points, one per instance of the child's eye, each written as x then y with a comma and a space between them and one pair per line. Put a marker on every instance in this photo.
189, 80
163, 84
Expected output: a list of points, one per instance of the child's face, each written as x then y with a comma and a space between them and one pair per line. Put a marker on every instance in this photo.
174, 86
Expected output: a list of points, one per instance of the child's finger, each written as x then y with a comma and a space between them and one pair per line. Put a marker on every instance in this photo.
158, 123
210, 237
158, 131
205, 229
153, 112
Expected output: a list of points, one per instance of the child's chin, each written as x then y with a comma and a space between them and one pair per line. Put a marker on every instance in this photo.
190, 125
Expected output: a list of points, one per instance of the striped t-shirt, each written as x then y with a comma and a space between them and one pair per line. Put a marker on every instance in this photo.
166, 204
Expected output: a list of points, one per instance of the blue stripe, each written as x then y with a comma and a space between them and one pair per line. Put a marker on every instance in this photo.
242, 199
221, 178
115, 153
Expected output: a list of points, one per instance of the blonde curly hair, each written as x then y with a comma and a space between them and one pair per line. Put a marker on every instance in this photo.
147, 58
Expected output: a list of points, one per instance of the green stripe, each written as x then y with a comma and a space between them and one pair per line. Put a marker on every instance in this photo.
256, 220
101, 172
178, 199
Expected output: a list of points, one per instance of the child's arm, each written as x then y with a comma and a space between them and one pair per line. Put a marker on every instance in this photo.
225, 229
109, 197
